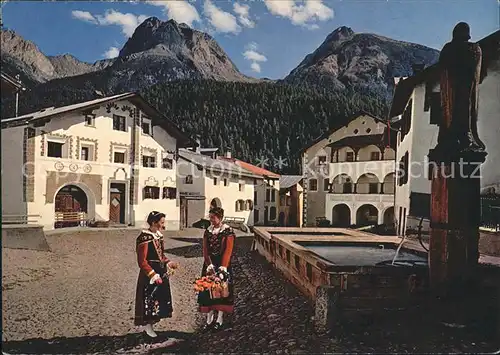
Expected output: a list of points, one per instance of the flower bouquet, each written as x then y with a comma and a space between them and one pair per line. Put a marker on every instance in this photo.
216, 284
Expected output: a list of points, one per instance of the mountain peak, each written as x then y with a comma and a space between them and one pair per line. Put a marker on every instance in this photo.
341, 33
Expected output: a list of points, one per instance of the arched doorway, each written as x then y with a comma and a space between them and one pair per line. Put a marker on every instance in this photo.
70, 203
215, 203
367, 215
389, 216
341, 215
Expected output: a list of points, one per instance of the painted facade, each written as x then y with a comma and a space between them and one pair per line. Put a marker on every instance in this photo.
119, 171
349, 175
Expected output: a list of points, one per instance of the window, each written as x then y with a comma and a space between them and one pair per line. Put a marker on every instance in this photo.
148, 161
255, 197
119, 123
216, 182
85, 153
90, 120
169, 193
349, 156
151, 192
406, 120
436, 112
119, 157
313, 184
255, 216
254, 182
226, 183
268, 195
273, 195
375, 156
249, 205
322, 160
167, 163
373, 188
242, 205
402, 173
272, 213
189, 179
241, 187
55, 149
326, 185
146, 126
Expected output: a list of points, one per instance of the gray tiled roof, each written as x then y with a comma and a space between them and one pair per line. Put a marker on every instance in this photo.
287, 181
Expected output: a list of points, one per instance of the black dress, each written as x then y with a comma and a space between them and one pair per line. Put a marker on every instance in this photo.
152, 302
217, 250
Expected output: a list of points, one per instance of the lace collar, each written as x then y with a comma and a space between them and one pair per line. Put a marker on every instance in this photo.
218, 230
156, 235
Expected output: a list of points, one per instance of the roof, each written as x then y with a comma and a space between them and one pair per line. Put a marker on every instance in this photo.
287, 181
136, 99
256, 169
490, 46
347, 121
219, 165
10, 82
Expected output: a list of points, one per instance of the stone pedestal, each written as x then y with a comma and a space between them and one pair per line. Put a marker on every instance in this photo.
455, 218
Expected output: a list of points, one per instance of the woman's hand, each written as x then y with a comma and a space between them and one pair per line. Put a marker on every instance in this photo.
158, 281
173, 265
210, 269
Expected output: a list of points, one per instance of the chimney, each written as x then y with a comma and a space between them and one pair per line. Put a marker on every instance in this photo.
228, 154
417, 68
198, 147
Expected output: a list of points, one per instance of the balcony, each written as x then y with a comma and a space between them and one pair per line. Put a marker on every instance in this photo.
355, 169
360, 198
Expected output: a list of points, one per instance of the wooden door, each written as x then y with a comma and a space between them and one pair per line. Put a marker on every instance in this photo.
183, 216
115, 206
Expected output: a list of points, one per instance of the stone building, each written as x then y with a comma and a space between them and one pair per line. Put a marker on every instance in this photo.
291, 201
110, 159
416, 111
206, 181
349, 174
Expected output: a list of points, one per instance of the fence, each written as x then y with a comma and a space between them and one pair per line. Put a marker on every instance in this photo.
490, 212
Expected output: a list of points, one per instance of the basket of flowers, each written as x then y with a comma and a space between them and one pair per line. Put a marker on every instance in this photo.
215, 284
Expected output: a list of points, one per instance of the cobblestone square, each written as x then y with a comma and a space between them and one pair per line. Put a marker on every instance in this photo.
79, 298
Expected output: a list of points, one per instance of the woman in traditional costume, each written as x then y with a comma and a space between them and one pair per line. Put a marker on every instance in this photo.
153, 299
218, 242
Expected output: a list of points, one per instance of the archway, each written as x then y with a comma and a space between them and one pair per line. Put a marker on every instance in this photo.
389, 216
71, 205
367, 215
368, 184
341, 215
215, 203
389, 183
342, 184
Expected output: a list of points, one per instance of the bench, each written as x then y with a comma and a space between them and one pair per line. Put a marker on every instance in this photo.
237, 222
70, 219
20, 218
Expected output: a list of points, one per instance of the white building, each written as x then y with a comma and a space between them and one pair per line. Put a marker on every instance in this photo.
266, 195
205, 181
90, 162
416, 112
349, 175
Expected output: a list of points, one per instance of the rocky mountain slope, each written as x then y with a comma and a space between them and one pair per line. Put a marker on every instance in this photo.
365, 61
157, 52
24, 57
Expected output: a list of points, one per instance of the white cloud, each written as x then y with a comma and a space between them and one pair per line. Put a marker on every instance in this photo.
255, 67
178, 10
253, 56
222, 21
300, 13
112, 52
83, 16
243, 12
128, 22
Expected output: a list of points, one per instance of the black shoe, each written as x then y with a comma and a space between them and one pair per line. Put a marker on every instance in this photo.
207, 327
217, 326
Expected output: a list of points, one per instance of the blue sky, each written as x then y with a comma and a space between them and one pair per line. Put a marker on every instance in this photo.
264, 38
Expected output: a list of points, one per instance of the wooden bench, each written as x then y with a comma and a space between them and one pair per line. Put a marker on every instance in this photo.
20, 218
70, 219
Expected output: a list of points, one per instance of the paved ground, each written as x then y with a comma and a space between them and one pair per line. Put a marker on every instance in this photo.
79, 299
